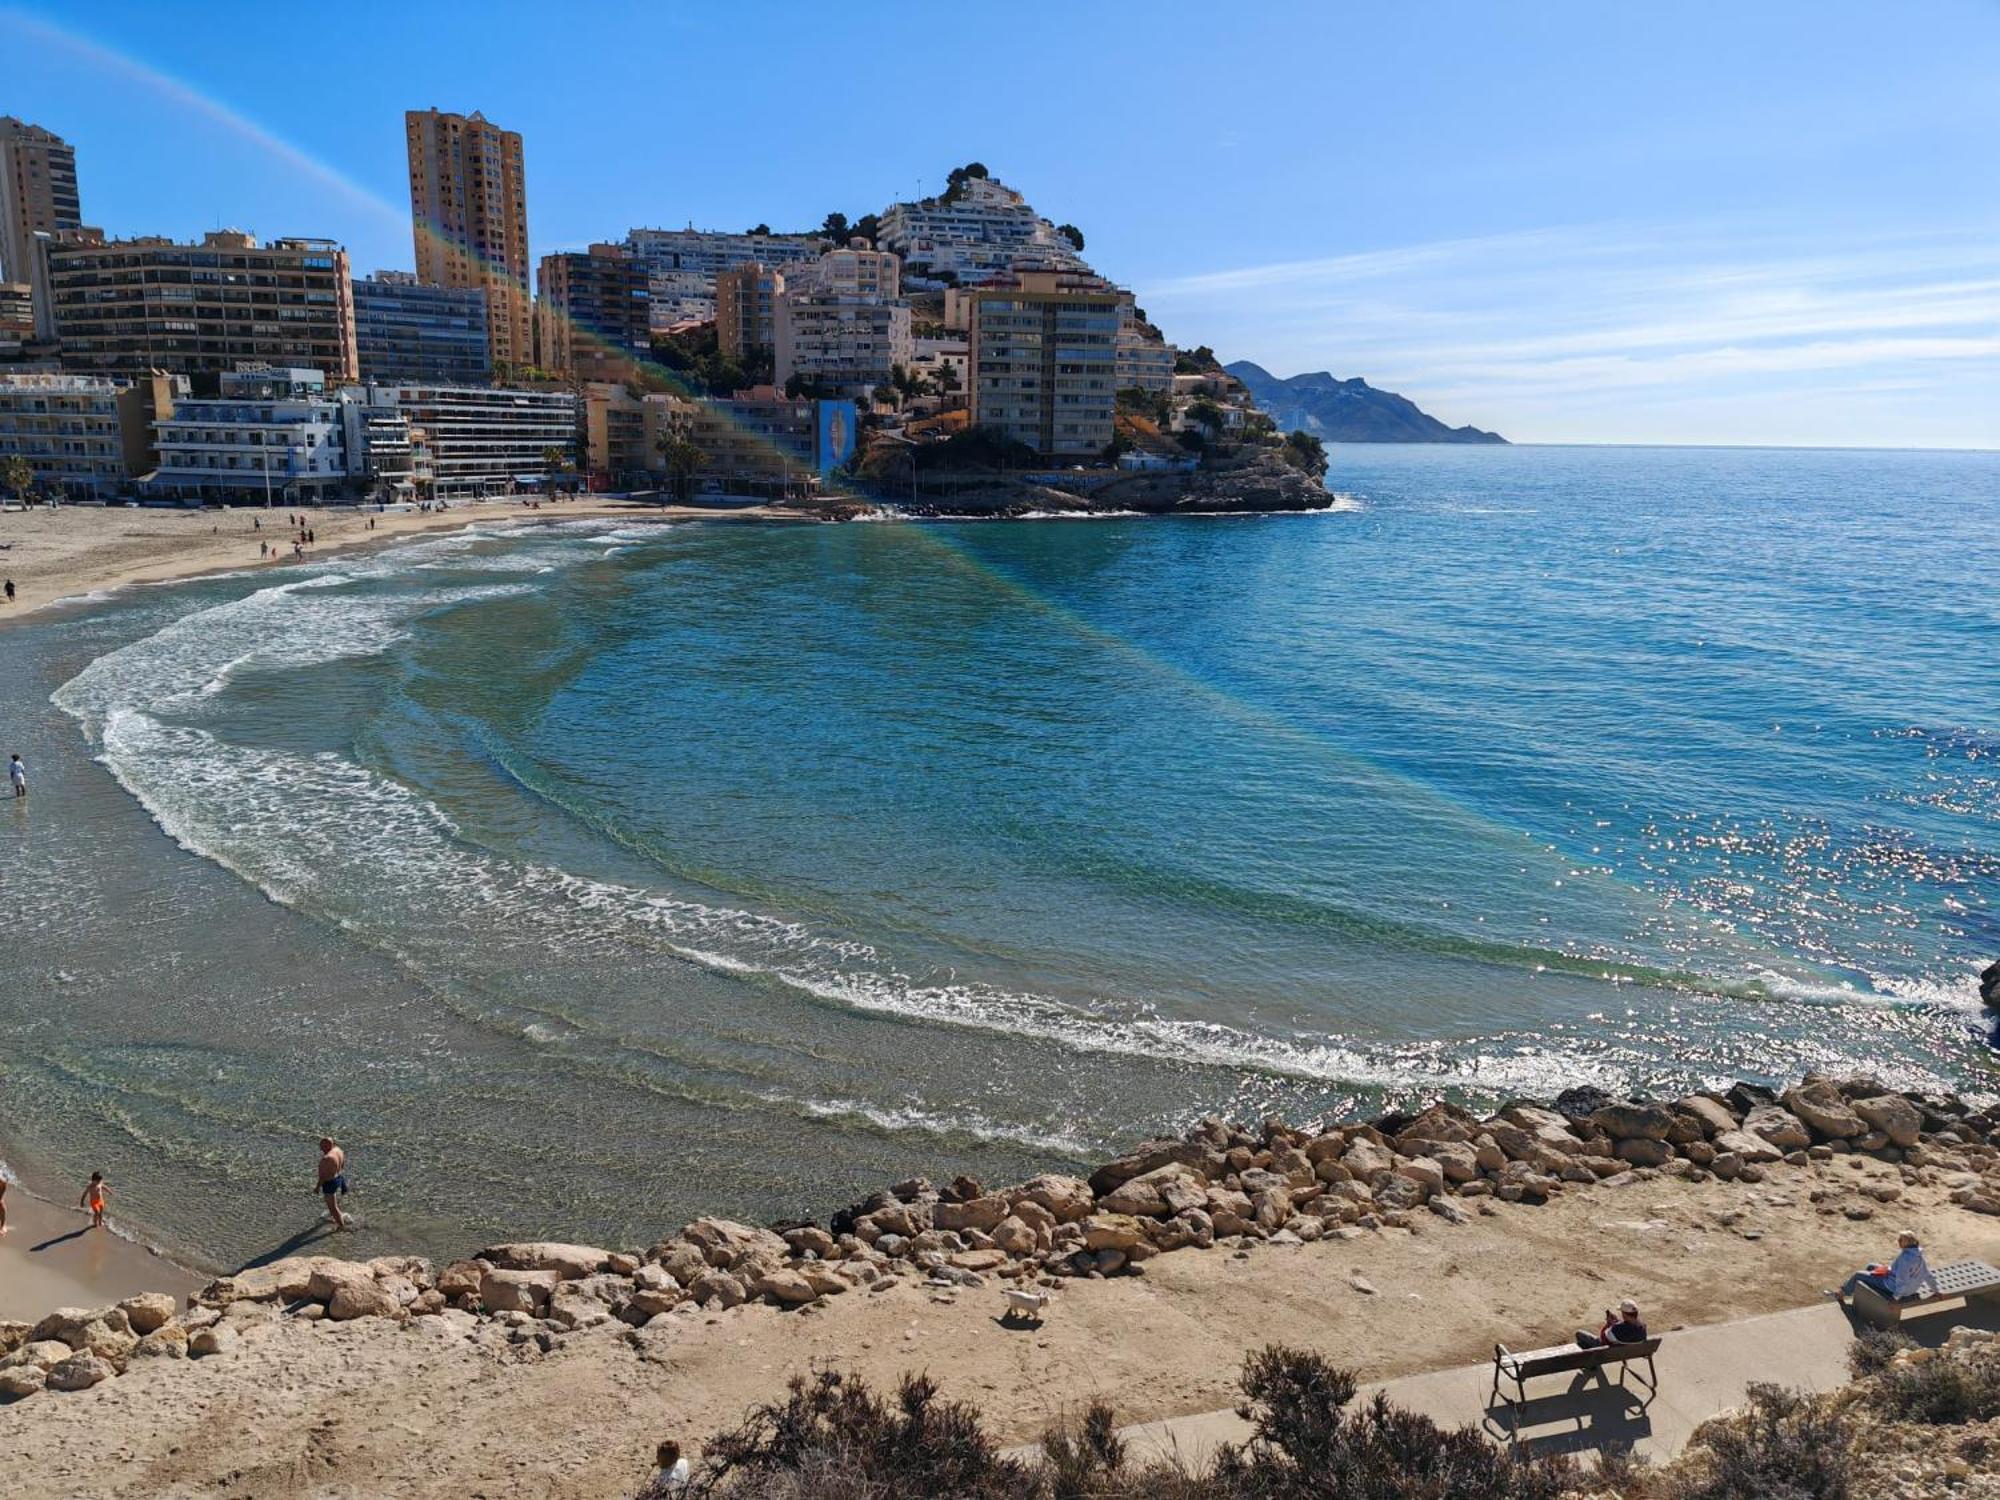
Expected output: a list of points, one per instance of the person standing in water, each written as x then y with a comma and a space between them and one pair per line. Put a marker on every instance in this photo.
333, 1179
95, 1195
18, 774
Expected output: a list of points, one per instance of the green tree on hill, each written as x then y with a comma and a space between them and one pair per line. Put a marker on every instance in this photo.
1071, 233
1304, 451
836, 228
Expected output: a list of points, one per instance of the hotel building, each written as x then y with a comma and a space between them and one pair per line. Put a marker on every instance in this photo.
133, 306
470, 441
271, 436
595, 313
37, 193
469, 209
1044, 353
404, 330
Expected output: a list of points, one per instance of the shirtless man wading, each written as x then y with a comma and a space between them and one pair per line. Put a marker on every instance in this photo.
333, 1179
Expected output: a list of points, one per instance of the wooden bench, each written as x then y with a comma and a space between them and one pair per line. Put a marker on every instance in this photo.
1970, 1280
1565, 1359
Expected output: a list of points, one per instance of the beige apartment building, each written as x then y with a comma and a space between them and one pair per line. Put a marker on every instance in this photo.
127, 307
596, 314
37, 193
746, 304
1044, 360
469, 209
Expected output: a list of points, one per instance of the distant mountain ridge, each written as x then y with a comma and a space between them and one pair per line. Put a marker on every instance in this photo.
1347, 411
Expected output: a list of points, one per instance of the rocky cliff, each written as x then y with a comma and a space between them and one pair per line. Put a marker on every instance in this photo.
1347, 411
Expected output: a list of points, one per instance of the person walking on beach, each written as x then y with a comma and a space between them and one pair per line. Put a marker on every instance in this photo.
18, 774
10, 591
3, 1205
95, 1194
333, 1178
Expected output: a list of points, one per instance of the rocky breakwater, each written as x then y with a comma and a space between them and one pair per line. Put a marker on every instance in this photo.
1218, 1185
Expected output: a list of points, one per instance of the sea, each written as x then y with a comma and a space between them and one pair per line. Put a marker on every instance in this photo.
585, 877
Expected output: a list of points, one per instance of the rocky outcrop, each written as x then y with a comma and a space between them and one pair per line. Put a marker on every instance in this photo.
1347, 411
1989, 986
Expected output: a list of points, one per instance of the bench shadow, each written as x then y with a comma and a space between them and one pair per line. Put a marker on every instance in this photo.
1599, 1414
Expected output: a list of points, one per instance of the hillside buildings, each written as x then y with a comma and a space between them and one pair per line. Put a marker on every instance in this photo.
84, 436
1145, 362
707, 253
984, 230
469, 209
839, 327
406, 331
1044, 359
38, 193
126, 307
595, 314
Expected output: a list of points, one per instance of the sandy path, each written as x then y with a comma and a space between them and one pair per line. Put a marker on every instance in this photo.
74, 550
329, 1410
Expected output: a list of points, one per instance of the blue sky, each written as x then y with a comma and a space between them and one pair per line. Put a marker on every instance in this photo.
1776, 222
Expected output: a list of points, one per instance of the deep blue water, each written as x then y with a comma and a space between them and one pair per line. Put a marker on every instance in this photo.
589, 877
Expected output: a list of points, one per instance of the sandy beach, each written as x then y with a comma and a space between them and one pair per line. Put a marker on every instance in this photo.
439, 1407
71, 551
50, 1257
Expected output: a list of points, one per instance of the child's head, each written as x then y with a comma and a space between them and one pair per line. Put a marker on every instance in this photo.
668, 1453
97, 1177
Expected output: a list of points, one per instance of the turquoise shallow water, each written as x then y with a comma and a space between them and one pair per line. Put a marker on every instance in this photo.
586, 878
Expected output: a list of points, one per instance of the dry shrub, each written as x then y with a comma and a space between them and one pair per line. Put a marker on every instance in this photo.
1940, 1392
1785, 1445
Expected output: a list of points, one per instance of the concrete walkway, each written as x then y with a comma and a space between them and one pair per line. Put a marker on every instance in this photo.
1703, 1372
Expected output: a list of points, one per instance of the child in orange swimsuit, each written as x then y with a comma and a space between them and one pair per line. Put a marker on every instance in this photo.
94, 1195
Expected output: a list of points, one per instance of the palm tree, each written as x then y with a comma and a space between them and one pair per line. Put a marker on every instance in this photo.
17, 476
683, 455
554, 461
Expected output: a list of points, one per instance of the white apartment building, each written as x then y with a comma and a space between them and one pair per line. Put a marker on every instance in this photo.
85, 436
680, 297
704, 252
273, 436
469, 441
986, 231
855, 271
1144, 362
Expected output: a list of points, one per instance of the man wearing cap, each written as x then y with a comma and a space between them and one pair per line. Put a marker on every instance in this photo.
1623, 1327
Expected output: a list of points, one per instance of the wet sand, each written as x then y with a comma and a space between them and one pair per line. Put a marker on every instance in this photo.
50, 1257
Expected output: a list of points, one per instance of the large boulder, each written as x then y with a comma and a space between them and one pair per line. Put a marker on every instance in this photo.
1748, 1147
1014, 1236
13, 1335
786, 1288
1459, 1160
110, 1338
1068, 1198
1148, 1158
517, 1291
1643, 1151
21, 1380
982, 1213
1777, 1126
284, 1280
66, 1324
1160, 1193
718, 1288
370, 1299
217, 1338
1112, 1232
1367, 1160
567, 1261
1715, 1116
727, 1244
1989, 986
1822, 1107
330, 1277
80, 1372
168, 1341
1894, 1116
40, 1353
1633, 1122
1424, 1172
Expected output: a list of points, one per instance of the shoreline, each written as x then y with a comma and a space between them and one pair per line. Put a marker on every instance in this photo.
50, 1258
81, 555
553, 1368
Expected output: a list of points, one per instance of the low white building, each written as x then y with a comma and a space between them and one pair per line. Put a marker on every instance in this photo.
84, 436
270, 435
469, 441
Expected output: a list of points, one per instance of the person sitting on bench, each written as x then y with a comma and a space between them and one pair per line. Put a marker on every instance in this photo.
1906, 1277
1624, 1328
